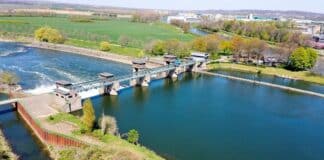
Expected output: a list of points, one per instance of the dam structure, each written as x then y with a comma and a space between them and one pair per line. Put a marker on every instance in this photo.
107, 84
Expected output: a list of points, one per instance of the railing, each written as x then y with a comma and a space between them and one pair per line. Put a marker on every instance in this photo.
98, 83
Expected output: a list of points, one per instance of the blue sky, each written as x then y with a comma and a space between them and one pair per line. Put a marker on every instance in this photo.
303, 5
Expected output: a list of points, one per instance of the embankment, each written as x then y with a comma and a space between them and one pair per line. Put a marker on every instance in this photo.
45, 136
264, 83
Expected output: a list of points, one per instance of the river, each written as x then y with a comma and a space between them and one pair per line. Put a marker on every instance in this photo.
198, 116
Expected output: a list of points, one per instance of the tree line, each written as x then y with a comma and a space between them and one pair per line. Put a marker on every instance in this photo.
277, 32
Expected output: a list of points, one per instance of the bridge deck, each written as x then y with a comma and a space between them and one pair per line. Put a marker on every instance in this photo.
98, 83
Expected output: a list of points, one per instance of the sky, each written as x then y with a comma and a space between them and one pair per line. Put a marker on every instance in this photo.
302, 5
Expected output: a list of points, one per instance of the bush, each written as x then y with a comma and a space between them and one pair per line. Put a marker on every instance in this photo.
124, 40
8, 78
108, 124
155, 48
104, 46
302, 59
88, 117
80, 19
132, 136
48, 34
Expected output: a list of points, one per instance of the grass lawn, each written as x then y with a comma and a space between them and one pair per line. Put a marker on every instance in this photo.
302, 75
111, 30
127, 51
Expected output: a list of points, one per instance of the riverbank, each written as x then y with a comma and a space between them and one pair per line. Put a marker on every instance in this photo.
5, 149
96, 143
279, 72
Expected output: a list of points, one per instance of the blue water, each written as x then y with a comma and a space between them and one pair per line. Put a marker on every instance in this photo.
276, 80
203, 117
22, 141
196, 117
41, 68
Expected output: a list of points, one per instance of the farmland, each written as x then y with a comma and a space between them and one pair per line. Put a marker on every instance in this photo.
98, 30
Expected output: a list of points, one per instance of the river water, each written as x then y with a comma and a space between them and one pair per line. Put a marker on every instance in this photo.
196, 117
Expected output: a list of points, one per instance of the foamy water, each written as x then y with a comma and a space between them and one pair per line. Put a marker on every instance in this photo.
41, 90
38, 69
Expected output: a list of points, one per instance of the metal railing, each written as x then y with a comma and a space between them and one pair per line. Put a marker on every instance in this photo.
98, 83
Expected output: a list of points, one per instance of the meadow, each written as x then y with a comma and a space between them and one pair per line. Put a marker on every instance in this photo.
97, 30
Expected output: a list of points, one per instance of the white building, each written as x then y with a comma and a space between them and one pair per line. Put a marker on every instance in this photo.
185, 17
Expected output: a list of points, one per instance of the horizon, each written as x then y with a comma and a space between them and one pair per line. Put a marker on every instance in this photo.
274, 5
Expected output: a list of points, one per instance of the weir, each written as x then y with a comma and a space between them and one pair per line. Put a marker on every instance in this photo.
108, 84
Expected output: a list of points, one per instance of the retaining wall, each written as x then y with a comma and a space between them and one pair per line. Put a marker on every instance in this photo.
42, 134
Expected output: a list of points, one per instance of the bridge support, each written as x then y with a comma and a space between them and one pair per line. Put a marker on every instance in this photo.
113, 89
143, 81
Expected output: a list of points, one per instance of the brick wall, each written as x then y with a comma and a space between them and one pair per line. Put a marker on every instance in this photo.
43, 135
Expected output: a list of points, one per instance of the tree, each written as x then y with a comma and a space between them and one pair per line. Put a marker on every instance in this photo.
299, 60
89, 116
225, 47
237, 44
199, 44
133, 136
155, 48
108, 125
312, 55
124, 40
177, 48
104, 46
48, 34
8, 78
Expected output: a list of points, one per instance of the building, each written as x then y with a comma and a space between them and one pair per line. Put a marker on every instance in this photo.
185, 17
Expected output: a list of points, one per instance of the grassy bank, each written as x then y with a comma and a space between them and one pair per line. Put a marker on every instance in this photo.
5, 150
89, 35
101, 146
302, 75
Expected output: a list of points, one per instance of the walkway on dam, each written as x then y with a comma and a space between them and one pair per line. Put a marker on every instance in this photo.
98, 83
264, 83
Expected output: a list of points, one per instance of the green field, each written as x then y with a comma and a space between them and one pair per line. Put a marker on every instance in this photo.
99, 30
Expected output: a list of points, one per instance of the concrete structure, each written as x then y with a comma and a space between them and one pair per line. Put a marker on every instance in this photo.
185, 17
141, 76
200, 59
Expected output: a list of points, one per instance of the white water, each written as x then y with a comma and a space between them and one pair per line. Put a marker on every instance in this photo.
41, 89
10, 52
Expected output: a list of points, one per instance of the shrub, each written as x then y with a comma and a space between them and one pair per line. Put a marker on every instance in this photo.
108, 124
8, 78
80, 19
48, 34
302, 59
124, 40
104, 46
155, 48
88, 117
132, 136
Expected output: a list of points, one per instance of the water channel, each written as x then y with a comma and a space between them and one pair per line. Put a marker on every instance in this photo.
196, 117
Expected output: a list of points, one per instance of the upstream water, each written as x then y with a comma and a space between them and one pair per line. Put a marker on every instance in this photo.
38, 69
196, 117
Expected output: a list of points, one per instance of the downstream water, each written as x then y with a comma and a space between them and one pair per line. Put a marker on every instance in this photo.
23, 143
196, 117
276, 80
203, 117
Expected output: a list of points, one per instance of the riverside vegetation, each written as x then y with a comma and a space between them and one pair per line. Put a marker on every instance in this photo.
103, 140
5, 150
